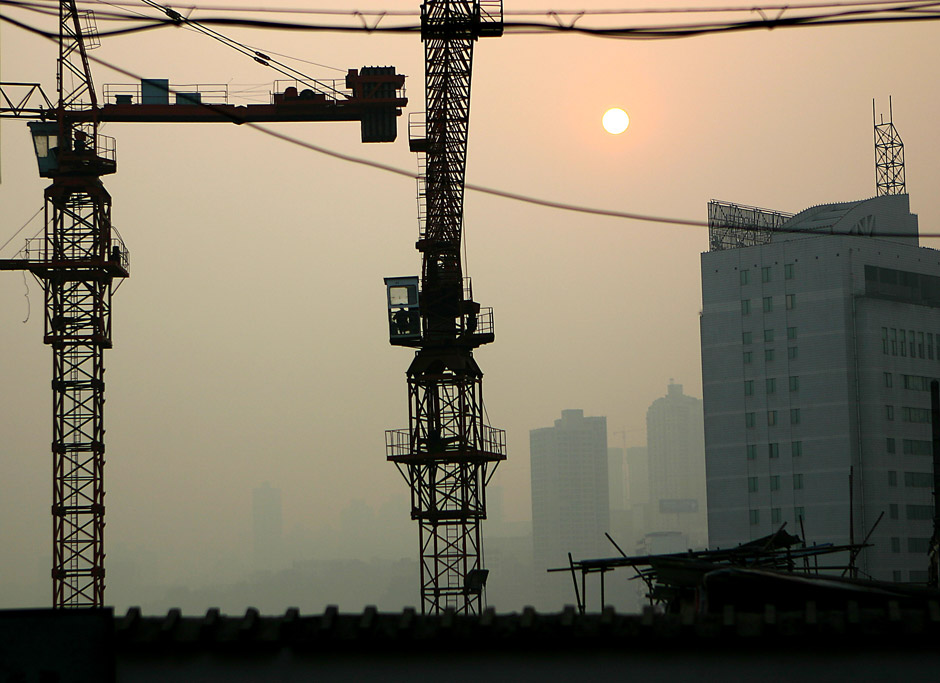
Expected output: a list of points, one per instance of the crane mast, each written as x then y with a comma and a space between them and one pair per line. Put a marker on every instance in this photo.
449, 452
79, 256
78, 260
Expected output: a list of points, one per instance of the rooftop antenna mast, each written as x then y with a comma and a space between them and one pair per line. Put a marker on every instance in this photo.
889, 154
449, 452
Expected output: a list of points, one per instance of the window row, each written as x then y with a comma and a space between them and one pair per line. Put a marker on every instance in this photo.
914, 545
748, 337
750, 419
776, 515
768, 304
904, 343
912, 479
753, 484
773, 450
766, 273
770, 385
793, 352
909, 446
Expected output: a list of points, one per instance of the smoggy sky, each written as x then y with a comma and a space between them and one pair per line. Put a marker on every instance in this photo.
250, 343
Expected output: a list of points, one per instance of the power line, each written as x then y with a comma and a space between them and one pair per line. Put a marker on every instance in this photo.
867, 14
473, 187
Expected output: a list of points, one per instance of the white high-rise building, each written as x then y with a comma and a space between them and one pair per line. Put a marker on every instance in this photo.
820, 334
570, 498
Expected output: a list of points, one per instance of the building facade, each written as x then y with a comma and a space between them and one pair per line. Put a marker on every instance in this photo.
570, 498
675, 444
820, 334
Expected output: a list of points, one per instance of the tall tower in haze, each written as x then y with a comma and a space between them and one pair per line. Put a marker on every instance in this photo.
570, 499
267, 527
675, 441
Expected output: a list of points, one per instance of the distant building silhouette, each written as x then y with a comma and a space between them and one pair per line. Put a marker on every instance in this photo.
675, 444
267, 527
570, 497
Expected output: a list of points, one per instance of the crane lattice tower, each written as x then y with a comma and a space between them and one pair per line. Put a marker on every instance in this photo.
449, 452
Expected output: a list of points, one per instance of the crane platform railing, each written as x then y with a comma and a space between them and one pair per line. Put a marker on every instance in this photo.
491, 445
133, 93
36, 252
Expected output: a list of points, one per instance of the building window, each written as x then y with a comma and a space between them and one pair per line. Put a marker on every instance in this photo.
889, 412
903, 340
773, 450
768, 304
793, 352
893, 511
745, 306
884, 340
744, 277
791, 301
749, 420
765, 274
771, 417
918, 545
794, 416
794, 383
916, 447
775, 515
895, 544
768, 335
748, 387
787, 271
771, 383
791, 333
917, 479
892, 478
775, 482
752, 452
889, 445
748, 357
752, 484
889, 380
919, 511
894, 341
929, 346
797, 482
920, 345
919, 576
910, 337
799, 513
796, 449
745, 337
754, 517
896, 576
768, 354
909, 414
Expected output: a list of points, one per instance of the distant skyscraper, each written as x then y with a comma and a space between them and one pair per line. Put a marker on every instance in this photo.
266, 526
820, 334
675, 443
570, 498
615, 477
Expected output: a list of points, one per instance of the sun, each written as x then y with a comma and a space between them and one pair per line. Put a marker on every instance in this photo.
616, 121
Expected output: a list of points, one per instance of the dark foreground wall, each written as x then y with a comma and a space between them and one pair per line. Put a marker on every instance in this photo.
805, 646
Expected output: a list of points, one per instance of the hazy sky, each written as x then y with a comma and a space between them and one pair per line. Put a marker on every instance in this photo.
250, 343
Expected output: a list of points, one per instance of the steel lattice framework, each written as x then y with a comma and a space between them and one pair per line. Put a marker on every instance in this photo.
448, 453
889, 155
80, 262
77, 260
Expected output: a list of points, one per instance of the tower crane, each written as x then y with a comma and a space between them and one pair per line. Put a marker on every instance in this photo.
80, 255
448, 453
